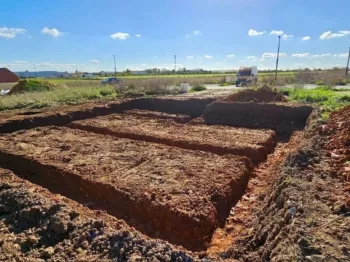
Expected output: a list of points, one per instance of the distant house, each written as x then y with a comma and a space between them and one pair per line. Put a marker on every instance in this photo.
139, 72
6, 76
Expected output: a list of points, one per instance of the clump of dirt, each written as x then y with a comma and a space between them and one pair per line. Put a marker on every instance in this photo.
339, 125
264, 94
32, 85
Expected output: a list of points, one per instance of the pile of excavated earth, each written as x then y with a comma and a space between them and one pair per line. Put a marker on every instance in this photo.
264, 94
175, 179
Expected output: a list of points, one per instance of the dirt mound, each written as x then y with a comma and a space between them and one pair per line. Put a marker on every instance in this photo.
339, 124
338, 142
264, 94
32, 85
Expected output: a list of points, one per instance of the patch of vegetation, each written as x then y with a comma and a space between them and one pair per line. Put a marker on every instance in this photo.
33, 85
226, 84
197, 88
57, 96
320, 83
328, 99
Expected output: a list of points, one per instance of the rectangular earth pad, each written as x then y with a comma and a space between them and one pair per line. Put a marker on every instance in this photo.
154, 114
254, 144
182, 194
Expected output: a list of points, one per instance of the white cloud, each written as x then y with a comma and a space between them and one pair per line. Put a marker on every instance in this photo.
120, 36
301, 55
138, 35
53, 32
324, 55
20, 62
194, 33
190, 57
316, 56
251, 57
286, 37
230, 56
208, 56
306, 38
276, 32
253, 32
342, 55
11, 32
269, 55
94, 61
329, 35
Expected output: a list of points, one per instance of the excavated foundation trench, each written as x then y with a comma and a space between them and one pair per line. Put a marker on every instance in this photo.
151, 179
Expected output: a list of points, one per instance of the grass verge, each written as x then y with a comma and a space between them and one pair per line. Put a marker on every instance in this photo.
327, 98
55, 97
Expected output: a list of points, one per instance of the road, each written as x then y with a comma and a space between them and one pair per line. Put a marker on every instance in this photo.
214, 90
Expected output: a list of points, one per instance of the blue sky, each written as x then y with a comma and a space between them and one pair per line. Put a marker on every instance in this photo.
211, 34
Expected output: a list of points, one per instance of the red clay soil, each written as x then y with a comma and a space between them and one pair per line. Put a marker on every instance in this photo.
338, 144
154, 114
255, 144
37, 225
264, 94
183, 194
262, 180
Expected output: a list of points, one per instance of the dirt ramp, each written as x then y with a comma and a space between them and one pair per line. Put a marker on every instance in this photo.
282, 118
182, 194
154, 114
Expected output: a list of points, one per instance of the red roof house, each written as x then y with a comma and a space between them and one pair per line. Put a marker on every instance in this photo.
6, 76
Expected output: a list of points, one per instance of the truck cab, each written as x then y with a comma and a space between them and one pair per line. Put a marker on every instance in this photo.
247, 76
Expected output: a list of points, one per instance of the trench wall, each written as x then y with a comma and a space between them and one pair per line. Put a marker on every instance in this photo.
278, 117
191, 107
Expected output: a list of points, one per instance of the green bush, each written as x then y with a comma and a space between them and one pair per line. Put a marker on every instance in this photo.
33, 85
197, 88
320, 82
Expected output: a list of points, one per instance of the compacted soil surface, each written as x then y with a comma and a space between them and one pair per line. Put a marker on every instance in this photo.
38, 226
255, 144
183, 194
180, 118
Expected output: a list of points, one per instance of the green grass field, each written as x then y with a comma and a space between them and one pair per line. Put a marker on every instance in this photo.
327, 98
55, 97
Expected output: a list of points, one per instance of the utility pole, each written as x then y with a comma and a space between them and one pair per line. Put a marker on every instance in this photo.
115, 68
34, 70
347, 67
278, 54
175, 62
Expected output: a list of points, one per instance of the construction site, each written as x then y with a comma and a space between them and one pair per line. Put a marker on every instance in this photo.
248, 177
